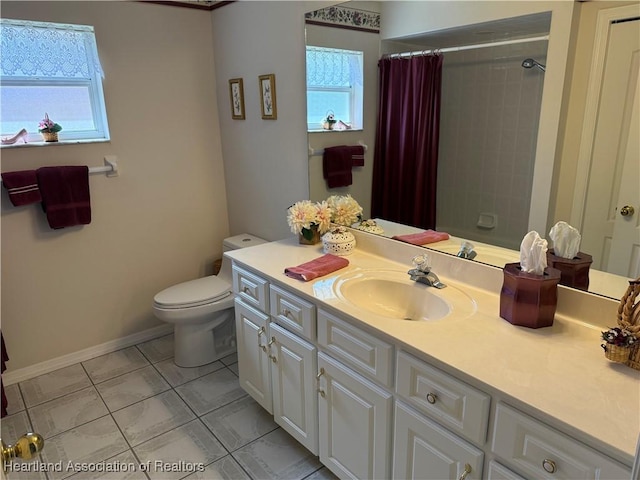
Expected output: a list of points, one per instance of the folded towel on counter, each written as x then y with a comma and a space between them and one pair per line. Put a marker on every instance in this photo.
422, 238
336, 166
65, 195
319, 267
22, 187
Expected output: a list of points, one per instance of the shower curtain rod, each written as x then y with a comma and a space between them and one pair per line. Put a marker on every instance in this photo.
470, 47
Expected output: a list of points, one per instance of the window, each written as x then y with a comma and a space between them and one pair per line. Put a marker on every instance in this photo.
54, 69
334, 84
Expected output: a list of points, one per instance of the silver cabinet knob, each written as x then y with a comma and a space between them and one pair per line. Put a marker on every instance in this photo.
549, 466
431, 398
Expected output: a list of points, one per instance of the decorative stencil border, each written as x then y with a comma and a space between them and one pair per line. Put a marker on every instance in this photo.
344, 17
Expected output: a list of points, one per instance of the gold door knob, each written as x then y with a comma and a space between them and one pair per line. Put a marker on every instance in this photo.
627, 211
27, 447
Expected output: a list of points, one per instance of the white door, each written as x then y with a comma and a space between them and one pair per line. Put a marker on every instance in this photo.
355, 423
253, 360
616, 138
293, 372
624, 258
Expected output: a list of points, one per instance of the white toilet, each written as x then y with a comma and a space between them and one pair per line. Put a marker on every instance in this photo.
202, 312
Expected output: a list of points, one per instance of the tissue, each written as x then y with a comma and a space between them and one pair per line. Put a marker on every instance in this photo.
533, 253
566, 240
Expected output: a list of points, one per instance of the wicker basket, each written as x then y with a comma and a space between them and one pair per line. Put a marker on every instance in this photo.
616, 353
50, 136
629, 319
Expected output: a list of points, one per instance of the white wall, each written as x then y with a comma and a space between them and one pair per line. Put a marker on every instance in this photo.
161, 222
266, 163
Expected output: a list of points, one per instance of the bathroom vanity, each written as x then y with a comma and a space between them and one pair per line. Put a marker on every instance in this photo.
464, 394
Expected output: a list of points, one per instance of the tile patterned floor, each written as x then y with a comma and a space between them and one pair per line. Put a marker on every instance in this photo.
133, 414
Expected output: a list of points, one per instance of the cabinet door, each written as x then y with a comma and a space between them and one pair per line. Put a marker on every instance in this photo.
293, 372
425, 450
253, 360
355, 422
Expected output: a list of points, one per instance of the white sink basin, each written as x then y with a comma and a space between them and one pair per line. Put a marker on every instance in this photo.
391, 294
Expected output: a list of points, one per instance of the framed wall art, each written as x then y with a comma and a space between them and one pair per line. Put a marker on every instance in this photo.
268, 96
236, 95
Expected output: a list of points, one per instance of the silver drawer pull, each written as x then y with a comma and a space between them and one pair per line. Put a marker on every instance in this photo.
467, 471
273, 358
246, 290
260, 345
286, 312
320, 391
549, 466
431, 398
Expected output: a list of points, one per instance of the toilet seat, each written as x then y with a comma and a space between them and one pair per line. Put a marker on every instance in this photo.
193, 293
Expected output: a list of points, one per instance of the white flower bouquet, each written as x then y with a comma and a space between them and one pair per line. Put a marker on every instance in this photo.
305, 217
345, 210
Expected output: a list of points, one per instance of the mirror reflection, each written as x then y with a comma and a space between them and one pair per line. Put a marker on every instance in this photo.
499, 128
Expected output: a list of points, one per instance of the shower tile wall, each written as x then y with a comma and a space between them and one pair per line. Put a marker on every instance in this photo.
488, 130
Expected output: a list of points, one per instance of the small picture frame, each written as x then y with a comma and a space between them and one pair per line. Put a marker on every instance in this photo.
236, 95
267, 85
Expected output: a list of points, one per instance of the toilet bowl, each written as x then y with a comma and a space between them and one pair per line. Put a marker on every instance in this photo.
202, 313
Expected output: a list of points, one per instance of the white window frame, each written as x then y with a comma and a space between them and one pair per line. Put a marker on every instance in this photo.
356, 93
94, 84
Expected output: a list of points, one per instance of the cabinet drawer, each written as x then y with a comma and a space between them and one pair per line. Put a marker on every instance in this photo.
457, 405
539, 451
364, 352
292, 312
253, 289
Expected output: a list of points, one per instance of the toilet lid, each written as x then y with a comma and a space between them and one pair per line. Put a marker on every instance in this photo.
193, 293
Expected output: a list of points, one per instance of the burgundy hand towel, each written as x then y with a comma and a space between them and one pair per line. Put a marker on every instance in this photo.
336, 166
22, 187
357, 155
319, 267
65, 195
422, 238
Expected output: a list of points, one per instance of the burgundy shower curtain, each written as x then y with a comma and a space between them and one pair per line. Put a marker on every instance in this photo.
406, 152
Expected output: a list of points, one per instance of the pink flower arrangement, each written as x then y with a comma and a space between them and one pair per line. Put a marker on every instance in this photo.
48, 126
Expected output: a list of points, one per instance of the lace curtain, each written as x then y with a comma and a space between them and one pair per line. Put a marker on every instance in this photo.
51, 50
333, 67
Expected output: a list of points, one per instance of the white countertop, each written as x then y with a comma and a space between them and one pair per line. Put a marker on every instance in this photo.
559, 372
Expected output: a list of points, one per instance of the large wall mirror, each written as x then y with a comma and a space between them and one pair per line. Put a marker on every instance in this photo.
521, 143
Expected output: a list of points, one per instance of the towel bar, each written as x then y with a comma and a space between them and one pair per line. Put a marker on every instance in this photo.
313, 153
110, 167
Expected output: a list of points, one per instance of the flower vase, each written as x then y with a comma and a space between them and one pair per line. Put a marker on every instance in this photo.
616, 353
50, 136
309, 236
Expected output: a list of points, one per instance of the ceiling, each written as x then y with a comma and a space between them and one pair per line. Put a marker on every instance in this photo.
508, 28
198, 4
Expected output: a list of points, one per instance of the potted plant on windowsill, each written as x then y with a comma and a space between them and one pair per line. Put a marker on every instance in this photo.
49, 129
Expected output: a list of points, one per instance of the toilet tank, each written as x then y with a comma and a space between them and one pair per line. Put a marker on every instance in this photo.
234, 243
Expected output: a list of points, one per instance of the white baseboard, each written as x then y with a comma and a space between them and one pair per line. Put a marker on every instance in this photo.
21, 374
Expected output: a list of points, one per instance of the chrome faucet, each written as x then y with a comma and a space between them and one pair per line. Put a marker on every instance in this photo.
422, 272
467, 251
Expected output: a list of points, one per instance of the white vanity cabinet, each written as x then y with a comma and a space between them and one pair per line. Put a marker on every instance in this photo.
539, 451
427, 449
355, 422
276, 367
